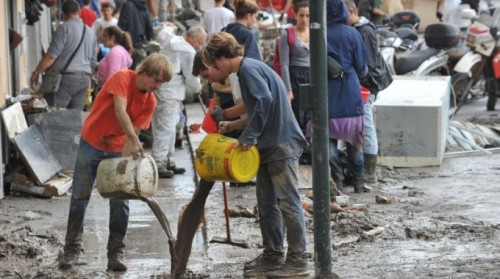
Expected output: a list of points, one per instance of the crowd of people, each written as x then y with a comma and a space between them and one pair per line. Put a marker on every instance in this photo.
257, 105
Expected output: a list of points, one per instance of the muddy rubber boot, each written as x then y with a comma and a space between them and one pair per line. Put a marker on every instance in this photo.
360, 186
370, 167
164, 172
335, 189
70, 259
115, 262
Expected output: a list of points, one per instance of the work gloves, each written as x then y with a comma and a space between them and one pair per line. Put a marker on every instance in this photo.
217, 114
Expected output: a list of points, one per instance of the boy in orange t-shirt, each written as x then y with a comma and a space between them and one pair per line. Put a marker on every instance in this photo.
122, 108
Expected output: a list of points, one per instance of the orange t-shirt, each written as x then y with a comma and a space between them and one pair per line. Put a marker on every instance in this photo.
101, 129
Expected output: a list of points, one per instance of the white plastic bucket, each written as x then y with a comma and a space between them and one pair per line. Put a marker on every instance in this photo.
127, 178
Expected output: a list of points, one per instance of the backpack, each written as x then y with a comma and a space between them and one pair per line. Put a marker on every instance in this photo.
365, 8
291, 42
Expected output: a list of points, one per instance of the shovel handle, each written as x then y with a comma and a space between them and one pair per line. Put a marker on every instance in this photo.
226, 211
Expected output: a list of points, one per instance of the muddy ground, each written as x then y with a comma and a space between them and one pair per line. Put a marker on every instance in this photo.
442, 223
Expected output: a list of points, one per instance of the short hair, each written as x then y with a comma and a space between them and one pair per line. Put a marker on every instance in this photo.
221, 44
198, 65
244, 7
196, 32
70, 7
86, 2
107, 5
156, 64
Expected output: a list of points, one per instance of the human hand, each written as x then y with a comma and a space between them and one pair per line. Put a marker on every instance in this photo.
439, 15
244, 146
217, 113
290, 96
225, 127
34, 79
137, 151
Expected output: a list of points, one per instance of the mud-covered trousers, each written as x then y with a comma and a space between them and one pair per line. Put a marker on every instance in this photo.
87, 160
165, 119
279, 202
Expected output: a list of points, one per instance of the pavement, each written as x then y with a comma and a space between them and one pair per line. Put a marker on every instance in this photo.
147, 253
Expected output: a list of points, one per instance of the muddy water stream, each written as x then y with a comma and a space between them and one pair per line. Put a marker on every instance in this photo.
188, 225
155, 207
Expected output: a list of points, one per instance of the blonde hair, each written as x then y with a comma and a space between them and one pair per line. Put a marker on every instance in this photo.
221, 44
155, 65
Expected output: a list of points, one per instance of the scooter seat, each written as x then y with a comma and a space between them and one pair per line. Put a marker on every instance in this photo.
406, 33
411, 61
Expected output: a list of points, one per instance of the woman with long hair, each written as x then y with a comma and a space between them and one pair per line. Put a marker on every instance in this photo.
119, 56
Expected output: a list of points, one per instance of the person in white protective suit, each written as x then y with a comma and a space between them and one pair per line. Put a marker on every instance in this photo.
180, 50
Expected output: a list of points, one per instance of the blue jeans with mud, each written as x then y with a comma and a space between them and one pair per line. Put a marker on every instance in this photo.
355, 160
279, 203
87, 161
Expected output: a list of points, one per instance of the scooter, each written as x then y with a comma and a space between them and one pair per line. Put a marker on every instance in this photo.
430, 61
483, 61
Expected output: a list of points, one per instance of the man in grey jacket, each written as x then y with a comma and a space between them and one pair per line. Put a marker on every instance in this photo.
76, 78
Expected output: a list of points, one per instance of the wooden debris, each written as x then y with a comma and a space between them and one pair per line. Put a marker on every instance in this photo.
344, 241
375, 231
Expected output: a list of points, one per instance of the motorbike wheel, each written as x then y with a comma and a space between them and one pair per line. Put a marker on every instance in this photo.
460, 83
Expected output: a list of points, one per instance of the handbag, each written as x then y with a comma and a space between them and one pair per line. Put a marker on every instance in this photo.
52, 78
335, 70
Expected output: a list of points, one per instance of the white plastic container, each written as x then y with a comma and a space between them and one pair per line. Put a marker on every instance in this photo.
127, 178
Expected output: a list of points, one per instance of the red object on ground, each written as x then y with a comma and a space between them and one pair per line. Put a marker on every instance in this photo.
208, 125
365, 93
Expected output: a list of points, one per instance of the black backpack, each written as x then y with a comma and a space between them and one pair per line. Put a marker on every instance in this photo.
365, 8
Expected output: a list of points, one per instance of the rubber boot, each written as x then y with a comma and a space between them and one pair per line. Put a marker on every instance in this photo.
370, 167
360, 186
335, 189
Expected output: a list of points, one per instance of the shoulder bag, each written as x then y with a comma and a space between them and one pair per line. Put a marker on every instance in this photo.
52, 78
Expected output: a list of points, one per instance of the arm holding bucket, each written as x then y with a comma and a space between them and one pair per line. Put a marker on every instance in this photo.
132, 144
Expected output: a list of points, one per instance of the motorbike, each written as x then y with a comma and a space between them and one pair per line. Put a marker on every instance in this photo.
482, 63
430, 61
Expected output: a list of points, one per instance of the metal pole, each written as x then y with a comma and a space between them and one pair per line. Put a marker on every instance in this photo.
320, 165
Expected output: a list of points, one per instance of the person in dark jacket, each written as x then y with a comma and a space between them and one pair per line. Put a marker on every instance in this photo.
246, 16
345, 107
134, 18
272, 128
376, 66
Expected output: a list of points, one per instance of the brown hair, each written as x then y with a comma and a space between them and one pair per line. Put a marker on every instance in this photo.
122, 38
244, 7
299, 5
221, 44
156, 64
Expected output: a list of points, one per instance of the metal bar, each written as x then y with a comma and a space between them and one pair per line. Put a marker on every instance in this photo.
320, 168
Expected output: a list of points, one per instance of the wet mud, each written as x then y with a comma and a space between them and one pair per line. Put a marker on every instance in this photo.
188, 225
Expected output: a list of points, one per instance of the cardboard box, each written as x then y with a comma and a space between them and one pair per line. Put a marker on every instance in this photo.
411, 119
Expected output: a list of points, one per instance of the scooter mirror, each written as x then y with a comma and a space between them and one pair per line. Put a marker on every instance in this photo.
468, 14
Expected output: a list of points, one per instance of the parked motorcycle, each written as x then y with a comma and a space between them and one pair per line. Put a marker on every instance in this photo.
482, 62
430, 61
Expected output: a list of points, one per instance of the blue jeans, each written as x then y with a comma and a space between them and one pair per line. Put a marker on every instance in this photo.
279, 202
369, 132
355, 161
87, 161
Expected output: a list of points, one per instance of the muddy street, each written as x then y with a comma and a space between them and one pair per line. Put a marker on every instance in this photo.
440, 222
